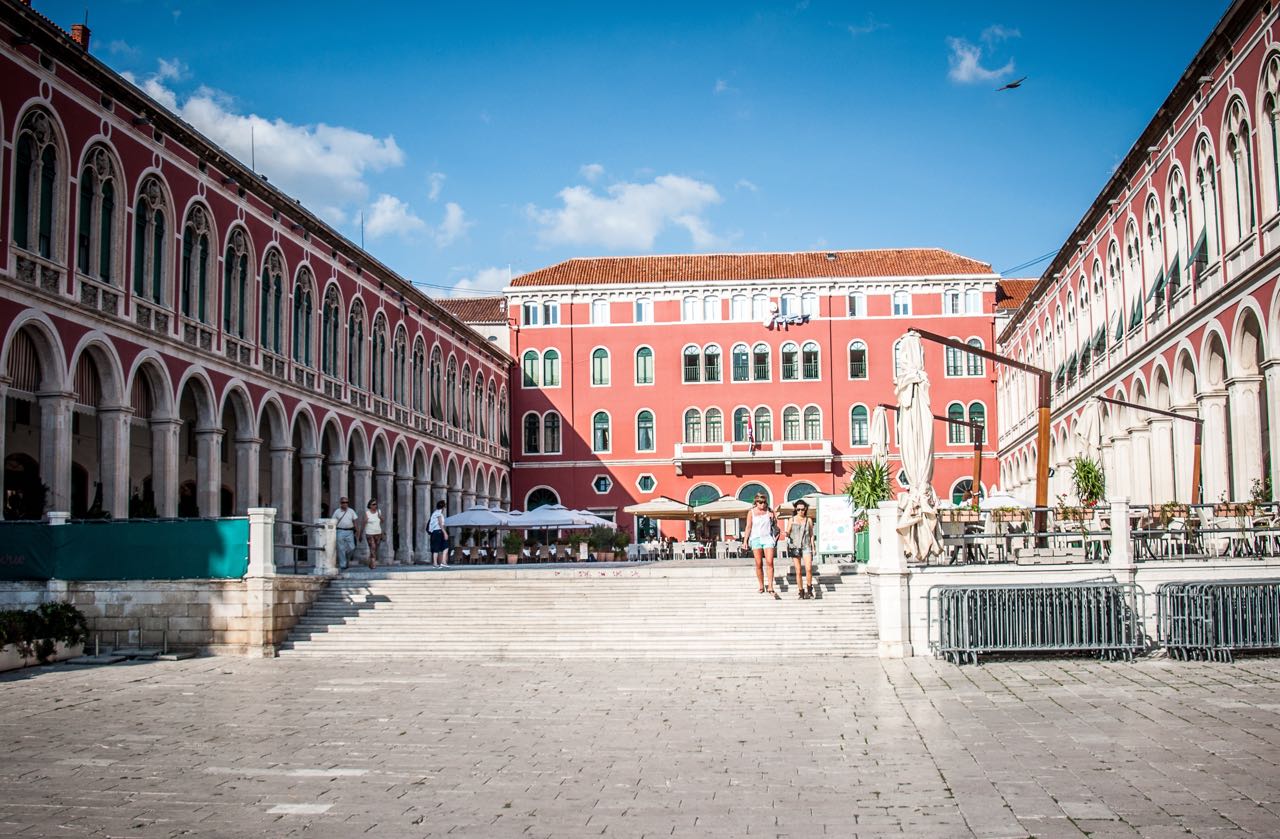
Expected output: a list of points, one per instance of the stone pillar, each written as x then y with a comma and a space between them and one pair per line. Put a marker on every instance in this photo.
262, 539
1271, 369
890, 580
165, 437
55, 448
384, 492
260, 584
338, 483
1245, 396
282, 500
1122, 454
453, 507
325, 537
404, 520
209, 471
1107, 457
421, 514
247, 453
113, 466
362, 489
310, 490
1163, 487
1214, 466
1140, 473
1184, 444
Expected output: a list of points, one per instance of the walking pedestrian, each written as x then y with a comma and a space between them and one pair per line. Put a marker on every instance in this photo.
800, 547
439, 537
345, 519
762, 531
371, 527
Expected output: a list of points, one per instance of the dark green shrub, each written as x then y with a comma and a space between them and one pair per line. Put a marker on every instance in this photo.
35, 632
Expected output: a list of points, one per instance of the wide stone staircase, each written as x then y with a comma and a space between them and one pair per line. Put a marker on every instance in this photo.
686, 609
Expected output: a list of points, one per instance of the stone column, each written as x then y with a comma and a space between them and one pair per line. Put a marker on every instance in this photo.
209, 471
1245, 396
1140, 473
310, 489
55, 448
362, 489
247, 452
454, 507
165, 437
384, 492
1122, 454
421, 513
113, 466
260, 593
325, 537
1184, 444
4, 404
1271, 370
890, 580
1163, 487
282, 500
338, 482
1107, 457
1214, 466
404, 520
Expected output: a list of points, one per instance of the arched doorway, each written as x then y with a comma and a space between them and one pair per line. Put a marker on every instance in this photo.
38, 443
541, 497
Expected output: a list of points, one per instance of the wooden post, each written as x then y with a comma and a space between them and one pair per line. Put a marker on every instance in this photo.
1042, 452
1195, 465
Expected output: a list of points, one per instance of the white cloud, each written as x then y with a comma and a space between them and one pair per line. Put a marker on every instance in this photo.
122, 49
966, 63
325, 166
996, 33
484, 281
454, 226
628, 215
721, 86
743, 183
871, 25
591, 171
391, 216
435, 183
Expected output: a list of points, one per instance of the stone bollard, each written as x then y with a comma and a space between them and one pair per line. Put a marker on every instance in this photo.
260, 584
262, 542
58, 518
890, 580
325, 536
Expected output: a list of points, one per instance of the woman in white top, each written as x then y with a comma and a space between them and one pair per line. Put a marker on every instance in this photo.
439, 537
372, 530
762, 536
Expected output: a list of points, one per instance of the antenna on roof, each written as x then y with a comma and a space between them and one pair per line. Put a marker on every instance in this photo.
362, 230
253, 156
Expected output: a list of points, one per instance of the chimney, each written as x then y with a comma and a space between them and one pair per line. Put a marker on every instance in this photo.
80, 34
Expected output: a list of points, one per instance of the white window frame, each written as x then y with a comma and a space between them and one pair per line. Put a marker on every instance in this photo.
599, 312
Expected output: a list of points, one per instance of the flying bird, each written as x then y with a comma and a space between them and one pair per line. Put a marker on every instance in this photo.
1012, 85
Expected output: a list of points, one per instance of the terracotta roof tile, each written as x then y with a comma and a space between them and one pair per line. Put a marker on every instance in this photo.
476, 309
1011, 293
897, 262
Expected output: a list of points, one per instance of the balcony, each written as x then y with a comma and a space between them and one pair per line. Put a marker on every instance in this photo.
778, 451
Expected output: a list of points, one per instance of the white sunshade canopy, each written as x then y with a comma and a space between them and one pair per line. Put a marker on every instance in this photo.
551, 517
662, 508
477, 517
724, 507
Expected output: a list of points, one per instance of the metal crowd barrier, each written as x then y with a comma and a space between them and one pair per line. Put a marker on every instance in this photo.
1096, 616
1210, 621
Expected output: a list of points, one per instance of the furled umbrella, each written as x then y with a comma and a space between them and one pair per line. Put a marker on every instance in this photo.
879, 434
1088, 429
918, 507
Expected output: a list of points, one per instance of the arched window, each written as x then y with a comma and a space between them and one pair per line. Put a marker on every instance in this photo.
749, 492
812, 423
600, 432
1239, 150
599, 366
303, 314
437, 383
790, 362
1206, 250
960, 493
1269, 143
857, 304
502, 418
235, 285
532, 434
541, 497
953, 366
551, 368
35, 187
857, 360
741, 421
711, 363
490, 412
703, 494
790, 304
418, 378
809, 361
551, 433
741, 363
763, 425
791, 423
378, 358
451, 392
330, 323
355, 345
975, 364
148, 245
714, 426
759, 307
973, 301
689, 310
739, 309
957, 433
760, 362
693, 426
477, 407
529, 367
1177, 233
691, 364
644, 366
951, 302
644, 432
858, 435
196, 255
978, 414
96, 250
464, 405
897, 358
901, 303
800, 490
270, 306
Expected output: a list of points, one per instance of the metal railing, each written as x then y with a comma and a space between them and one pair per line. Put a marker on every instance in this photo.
1211, 621
1100, 617
299, 554
1205, 531
973, 537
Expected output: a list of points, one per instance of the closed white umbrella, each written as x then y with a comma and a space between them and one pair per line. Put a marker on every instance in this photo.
918, 507
1088, 429
879, 434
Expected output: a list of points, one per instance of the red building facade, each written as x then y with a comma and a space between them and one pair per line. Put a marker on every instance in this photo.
696, 376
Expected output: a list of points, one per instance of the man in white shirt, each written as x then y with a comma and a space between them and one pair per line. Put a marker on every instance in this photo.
345, 518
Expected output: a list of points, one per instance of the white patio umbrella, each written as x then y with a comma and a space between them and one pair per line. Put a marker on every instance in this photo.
879, 434
1000, 499
811, 499
667, 509
1088, 429
552, 517
593, 520
724, 507
479, 516
917, 508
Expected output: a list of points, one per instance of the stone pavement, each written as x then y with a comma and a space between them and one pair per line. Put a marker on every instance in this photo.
220, 747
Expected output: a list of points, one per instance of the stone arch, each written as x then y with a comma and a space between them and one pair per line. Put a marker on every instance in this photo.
199, 476
335, 466
49, 359
152, 439
239, 489
1248, 398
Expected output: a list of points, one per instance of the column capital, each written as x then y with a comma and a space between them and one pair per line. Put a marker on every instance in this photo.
362, 469
308, 457
404, 479
1247, 379
333, 462
55, 395
160, 422
1210, 395
246, 441
384, 473
113, 410
279, 450
210, 432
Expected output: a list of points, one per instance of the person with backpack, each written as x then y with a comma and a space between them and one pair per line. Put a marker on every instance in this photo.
762, 537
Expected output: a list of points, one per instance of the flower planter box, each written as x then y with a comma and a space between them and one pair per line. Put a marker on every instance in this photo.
959, 515
11, 659
1074, 513
1233, 510
1008, 516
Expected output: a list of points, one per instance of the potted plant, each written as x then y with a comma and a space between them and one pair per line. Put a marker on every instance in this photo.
512, 543
1089, 480
1010, 515
868, 485
600, 540
967, 513
54, 631
621, 539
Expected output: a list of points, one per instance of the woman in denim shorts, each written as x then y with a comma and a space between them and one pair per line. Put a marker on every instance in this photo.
762, 538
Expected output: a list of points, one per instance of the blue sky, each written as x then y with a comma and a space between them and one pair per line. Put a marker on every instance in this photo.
476, 137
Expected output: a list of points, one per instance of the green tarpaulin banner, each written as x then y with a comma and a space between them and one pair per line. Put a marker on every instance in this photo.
125, 550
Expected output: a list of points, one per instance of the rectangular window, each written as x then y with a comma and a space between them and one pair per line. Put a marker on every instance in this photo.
531, 314
738, 308
711, 309
953, 363
692, 368
741, 365
857, 361
644, 311
711, 365
689, 310
857, 305
901, 304
760, 364
599, 311
809, 358
973, 301
550, 313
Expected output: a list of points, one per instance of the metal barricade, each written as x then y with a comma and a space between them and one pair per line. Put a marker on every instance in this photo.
1211, 621
299, 554
1096, 616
